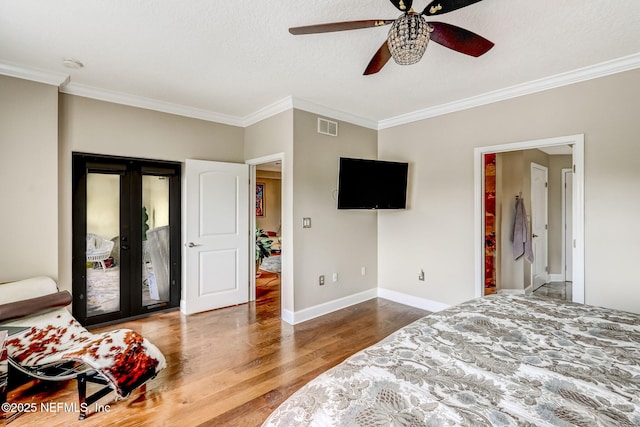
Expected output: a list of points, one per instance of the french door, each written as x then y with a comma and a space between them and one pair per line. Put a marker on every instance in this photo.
126, 237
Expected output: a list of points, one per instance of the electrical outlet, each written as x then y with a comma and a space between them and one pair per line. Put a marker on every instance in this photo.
421, 275
321, 280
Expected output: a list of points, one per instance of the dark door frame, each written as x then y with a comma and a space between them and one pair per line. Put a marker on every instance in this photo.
130, 235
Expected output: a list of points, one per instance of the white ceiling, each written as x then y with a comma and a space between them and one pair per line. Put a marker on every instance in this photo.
229, 61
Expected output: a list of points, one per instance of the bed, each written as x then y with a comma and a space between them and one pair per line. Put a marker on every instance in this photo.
493, 361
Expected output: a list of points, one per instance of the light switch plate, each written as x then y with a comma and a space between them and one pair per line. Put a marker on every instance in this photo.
306, 222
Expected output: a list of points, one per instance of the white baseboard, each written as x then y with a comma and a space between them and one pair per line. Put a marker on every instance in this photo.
411, 300
183, 307
294, 318
554, 277
287, 316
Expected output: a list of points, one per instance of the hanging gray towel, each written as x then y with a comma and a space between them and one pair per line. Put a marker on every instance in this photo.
521, 241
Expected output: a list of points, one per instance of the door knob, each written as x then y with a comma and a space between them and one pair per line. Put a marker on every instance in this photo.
192, 245
535, 235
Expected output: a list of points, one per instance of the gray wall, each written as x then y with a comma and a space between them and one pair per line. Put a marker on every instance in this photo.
511, 274
28, 179
340, 241
38, 132
437, 232
270, 136
98, 127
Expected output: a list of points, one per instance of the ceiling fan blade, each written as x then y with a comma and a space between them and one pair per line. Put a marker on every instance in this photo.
438, 7
459, 39
379, 60
402, 5
339, 26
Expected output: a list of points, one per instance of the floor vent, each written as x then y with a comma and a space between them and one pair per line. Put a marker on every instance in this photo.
327, 127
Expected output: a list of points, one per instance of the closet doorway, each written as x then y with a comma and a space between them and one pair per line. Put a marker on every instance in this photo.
126, 237
492, 210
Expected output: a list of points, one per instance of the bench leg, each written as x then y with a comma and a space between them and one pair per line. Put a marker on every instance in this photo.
82, 396
85, 400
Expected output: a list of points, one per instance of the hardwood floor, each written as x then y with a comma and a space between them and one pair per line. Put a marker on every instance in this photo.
227, 367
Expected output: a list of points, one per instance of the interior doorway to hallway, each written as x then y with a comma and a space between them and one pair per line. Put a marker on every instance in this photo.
266, 280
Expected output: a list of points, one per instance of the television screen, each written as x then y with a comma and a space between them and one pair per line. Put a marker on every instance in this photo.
372, 184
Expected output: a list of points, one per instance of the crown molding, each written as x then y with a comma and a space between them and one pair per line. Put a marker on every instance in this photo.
271, 110
148, 103
602, 69
62, 81
33, 74
290, 102
312, 107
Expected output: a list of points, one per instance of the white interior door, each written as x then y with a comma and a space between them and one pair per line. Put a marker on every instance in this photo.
568, 225
216, 235
539, 213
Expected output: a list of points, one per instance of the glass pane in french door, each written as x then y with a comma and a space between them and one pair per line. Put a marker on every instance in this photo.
155, 240
103, 229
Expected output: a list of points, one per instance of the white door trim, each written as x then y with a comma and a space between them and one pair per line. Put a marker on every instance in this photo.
546, 222
563, 266
577, 141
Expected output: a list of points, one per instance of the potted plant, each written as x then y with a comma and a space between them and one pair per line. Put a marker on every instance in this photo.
263, 246
145, 223
145, 243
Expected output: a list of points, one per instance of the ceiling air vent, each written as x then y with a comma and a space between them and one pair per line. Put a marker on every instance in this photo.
327, 127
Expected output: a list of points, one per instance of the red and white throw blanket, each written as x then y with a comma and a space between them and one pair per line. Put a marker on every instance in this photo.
124, 357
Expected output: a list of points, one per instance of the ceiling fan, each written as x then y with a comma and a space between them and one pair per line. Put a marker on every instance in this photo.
410, 33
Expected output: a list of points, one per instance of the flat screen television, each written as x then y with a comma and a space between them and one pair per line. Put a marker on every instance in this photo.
372, 184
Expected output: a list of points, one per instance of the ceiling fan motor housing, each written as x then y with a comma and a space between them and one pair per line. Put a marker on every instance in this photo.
408, 38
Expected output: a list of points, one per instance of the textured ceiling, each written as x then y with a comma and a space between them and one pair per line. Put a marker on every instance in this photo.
235, 58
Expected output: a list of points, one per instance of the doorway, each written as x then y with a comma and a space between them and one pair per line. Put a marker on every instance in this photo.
126, 237
284, 235
576, 142
268, 225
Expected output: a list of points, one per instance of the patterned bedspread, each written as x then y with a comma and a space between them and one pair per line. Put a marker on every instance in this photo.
492, 361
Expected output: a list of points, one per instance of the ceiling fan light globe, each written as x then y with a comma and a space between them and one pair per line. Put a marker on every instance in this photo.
408, 38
